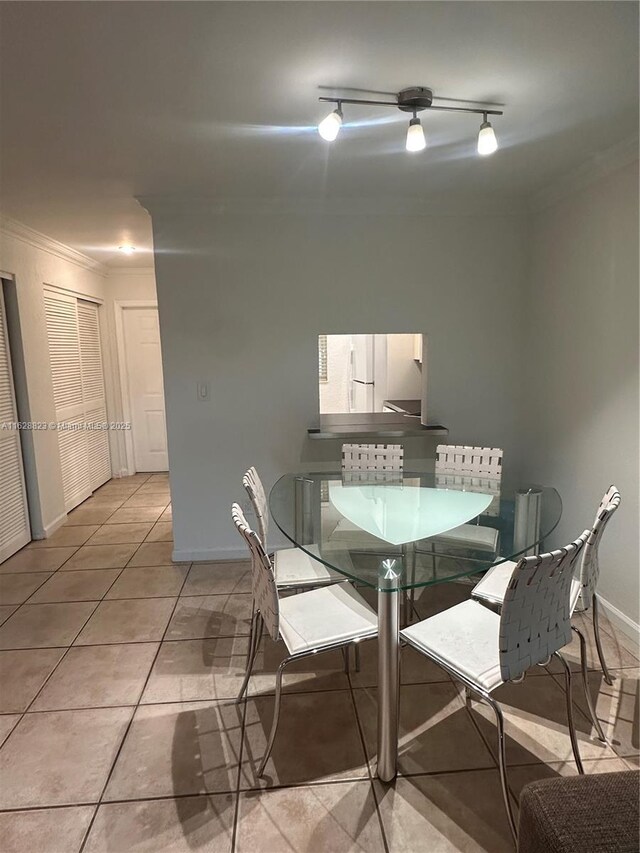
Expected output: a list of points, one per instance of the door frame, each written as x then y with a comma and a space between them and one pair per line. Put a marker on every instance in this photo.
120, 306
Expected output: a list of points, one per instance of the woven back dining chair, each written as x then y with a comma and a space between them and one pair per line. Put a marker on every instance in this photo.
484, 650
470, 469
293, 568
473, 469
492, 590
329, 617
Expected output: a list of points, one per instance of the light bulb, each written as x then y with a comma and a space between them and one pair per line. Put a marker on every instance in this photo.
487, 142
127, 249
415, 136
330, 126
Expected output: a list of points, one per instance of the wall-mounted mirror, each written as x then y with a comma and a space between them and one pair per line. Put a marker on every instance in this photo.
367, 373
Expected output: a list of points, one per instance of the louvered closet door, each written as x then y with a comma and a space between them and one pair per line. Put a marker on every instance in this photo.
66, 373
95, 408
14, 516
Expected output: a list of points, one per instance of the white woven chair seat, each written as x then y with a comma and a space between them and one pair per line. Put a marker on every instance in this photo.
323, 617
472, 536
464, 639
494, 584
294, 567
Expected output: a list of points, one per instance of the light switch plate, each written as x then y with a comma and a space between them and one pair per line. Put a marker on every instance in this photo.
202, 389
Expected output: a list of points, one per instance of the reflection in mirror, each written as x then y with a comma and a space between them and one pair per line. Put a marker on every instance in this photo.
371, 373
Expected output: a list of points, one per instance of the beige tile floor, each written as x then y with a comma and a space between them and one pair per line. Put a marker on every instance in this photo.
119, 731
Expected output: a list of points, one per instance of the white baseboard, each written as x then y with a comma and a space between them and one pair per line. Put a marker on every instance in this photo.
53, 526
209, 555
627, 627
123, 472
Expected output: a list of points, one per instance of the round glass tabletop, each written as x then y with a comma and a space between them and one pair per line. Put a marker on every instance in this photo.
397, 530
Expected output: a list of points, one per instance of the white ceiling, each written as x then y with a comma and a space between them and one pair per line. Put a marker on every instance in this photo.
103, 102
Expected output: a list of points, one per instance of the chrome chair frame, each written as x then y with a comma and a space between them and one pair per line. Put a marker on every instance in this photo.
584, 673
279, 674
596, 634
471, 688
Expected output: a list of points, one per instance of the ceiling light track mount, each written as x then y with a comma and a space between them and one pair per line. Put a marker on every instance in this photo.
414, 99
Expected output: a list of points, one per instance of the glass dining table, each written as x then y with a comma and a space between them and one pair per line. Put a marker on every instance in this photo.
399, 532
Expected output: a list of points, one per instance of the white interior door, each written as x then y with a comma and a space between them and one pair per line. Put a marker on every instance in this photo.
14, 515
146, 392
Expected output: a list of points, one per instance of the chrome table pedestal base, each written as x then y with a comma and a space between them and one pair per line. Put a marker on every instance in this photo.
388, 670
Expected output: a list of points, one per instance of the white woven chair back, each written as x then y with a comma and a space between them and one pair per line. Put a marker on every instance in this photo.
535, 619
467, 483
372, 478
265, 594
473, 461
253, 484
590, 568
372, 457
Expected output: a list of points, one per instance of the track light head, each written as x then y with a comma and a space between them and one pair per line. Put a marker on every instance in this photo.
487, 142
415, 135
329, 127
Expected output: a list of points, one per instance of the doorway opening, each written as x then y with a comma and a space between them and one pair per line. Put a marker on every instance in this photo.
371, 373
142, 387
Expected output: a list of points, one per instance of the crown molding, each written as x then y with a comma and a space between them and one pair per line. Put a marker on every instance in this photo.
435, 205
19, 231
596, 167
113, 271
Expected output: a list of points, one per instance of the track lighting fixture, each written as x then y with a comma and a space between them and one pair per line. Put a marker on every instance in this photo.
413, 100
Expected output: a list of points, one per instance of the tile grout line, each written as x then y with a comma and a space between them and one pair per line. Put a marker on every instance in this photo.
236, 810
313, 784
207, 794
112, 513
159, 702
129, 725
584, 715
66, 652
478, 730
33, 592
70, 645
55, 572
368, 763
55, 668
68, 648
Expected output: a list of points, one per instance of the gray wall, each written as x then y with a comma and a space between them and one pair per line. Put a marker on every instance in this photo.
243, 300
580, 398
